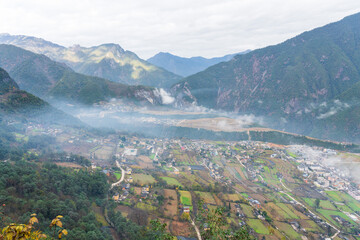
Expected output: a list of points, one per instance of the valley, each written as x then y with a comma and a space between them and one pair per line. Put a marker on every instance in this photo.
271, 188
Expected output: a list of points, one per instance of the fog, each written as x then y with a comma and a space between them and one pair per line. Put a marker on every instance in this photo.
346, 165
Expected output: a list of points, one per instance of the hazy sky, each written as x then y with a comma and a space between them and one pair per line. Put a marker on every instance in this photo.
183, 27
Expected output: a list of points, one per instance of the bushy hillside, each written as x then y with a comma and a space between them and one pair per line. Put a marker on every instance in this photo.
289, 80
45, 78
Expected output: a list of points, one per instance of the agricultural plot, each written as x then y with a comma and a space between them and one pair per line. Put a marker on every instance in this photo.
185, 198
328, 213
344, 198
171, 202
288, 209
143, 179
146, 207
232, 197
104, 153
258, 226
288, 230
247, 210
117, 175
207, 197
310, 226
172, 181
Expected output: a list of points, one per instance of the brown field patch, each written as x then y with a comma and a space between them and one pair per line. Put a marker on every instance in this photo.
125, 210
181, 229
145, 159
68, 164
217, 200
137, 190
241, 173
170, 210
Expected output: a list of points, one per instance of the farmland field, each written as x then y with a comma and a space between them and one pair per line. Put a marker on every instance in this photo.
185, 198
289, 211
145, 206
258, 226
247, 210
207, 197
288, 230
170, 195
328, 213
117, 175
143, 179
172, 181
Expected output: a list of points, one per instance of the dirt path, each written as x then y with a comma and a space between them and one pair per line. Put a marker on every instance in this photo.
122, 176
196, 229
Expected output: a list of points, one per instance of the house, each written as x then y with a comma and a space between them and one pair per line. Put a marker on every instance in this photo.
206, 227
186, 209
116, 197
146, 188
144, 195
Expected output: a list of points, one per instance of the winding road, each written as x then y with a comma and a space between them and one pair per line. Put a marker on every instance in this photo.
122, 176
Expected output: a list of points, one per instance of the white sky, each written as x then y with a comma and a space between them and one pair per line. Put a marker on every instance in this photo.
187, 28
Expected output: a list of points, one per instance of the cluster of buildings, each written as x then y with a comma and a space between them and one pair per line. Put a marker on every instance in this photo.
323, 169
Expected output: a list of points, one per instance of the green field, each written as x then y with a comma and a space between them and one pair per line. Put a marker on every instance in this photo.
145, 206
328, 213
291, 154
143, 179
172, 181
117, 175
185, 198
288, 210
325, 204
258, 226
349, 201
247, 210
207, 197
288, 230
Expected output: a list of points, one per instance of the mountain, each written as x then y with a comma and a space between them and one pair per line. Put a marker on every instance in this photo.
108, 61
296, 81
187, 66
46, 78
6, 82
17, 104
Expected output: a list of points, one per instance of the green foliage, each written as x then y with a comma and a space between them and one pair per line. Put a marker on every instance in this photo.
50, 190
214, 225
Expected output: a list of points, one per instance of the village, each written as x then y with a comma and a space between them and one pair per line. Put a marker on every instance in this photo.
276, 190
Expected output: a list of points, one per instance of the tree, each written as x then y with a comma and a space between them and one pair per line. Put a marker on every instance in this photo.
27, 231
214, 225
317, 203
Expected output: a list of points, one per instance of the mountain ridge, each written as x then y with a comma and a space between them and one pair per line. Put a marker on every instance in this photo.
108, 61
283, 80
46, 78
187, 66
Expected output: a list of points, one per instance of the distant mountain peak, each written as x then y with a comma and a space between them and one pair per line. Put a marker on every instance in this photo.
187, 66
109, 61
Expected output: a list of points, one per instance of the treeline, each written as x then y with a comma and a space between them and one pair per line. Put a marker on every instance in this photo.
49, 191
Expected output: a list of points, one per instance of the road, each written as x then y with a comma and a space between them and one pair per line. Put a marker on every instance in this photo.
122, 176
196, 229
299, 203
